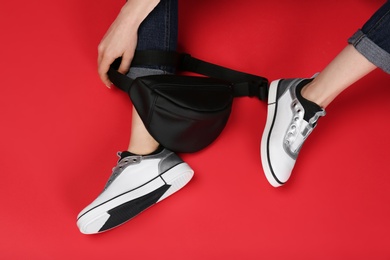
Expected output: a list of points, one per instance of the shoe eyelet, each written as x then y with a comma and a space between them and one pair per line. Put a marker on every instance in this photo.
289, 137
293, 128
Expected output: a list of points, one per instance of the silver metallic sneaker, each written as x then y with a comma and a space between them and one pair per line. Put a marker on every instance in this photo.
136, 183
290, 120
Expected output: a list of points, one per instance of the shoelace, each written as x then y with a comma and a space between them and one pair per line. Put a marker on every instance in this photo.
121, 165
295, 136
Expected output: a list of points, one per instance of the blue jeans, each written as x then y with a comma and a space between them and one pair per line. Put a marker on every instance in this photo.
373, 39
159, 31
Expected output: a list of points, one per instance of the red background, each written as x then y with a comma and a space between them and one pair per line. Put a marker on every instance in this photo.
61, 129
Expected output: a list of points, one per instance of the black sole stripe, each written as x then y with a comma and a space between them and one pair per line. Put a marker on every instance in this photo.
119, 195
130, 209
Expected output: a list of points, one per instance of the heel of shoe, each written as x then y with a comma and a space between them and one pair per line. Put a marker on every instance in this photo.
272, 92
271, 110
177, 178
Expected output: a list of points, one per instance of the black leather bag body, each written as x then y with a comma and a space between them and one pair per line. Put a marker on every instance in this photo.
186, 113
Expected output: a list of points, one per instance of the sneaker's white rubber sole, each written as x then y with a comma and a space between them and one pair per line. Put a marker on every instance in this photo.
272, 93
167, 183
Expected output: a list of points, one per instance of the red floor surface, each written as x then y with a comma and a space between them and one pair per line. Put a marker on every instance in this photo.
61, 129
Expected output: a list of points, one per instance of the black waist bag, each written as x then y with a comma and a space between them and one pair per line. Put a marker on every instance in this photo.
186, 113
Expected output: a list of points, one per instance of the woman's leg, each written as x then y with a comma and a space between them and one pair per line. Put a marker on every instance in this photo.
369, 48
144, 175
159, 31
295, 105
347, 68
141, 142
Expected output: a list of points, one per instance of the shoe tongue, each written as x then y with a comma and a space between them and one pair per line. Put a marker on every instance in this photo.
125, 154
310, 107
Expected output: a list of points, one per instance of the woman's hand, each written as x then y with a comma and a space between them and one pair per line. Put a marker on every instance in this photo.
121, 38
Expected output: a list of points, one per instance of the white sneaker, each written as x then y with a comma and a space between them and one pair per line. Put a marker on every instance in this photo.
290, 120
136, 183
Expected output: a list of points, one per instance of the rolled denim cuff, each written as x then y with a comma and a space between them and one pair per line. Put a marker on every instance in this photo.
136, 72
370, 50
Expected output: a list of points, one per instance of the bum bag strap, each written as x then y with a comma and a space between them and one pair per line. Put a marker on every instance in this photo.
244, 84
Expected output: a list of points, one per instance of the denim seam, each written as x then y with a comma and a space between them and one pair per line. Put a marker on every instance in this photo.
356, 38
377, 24
167, 22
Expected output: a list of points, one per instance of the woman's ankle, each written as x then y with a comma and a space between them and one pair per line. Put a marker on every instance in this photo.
314, 93
143, 149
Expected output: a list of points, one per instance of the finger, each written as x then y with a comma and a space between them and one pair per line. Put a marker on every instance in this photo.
126, 62
103, 67
100, 54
